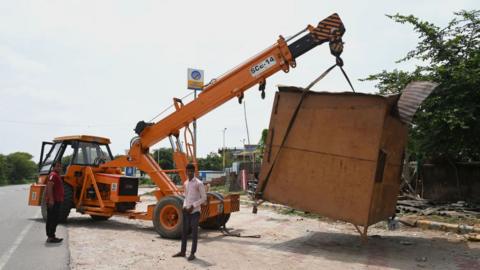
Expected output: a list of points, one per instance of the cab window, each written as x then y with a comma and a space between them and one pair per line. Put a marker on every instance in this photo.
88, 153
47, 164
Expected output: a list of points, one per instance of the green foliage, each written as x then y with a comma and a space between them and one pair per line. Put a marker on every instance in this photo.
164, 157
19, 167
3, 170
213, 162
262, 142
447, 126
145, 181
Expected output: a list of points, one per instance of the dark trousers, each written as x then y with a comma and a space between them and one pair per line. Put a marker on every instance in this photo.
190, 221
53, 214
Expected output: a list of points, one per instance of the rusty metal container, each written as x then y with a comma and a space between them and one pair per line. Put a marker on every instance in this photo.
342, 157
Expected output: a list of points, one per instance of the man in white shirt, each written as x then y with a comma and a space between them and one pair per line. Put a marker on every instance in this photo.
195, 196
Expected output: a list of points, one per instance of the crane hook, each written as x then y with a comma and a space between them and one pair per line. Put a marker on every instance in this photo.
240, 98
261, 87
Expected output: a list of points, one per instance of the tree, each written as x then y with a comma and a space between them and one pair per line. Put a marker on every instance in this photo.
213, 162
3, 170
164, 157
447, 125
20, 167
262, 142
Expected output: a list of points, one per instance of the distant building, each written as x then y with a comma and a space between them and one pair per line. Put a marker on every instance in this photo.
245, 158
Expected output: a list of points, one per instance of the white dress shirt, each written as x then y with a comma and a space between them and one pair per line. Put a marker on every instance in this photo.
194, 194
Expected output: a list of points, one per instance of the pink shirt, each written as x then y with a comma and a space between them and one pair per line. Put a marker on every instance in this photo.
194, 194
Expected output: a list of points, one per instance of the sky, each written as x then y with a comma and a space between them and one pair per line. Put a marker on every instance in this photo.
99, 67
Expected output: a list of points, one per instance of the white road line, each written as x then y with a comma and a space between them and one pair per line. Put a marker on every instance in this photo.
6, 256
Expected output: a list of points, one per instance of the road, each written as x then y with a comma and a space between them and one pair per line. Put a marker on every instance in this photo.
22, 234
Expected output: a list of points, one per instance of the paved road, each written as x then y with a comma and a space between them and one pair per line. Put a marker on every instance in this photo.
22, 234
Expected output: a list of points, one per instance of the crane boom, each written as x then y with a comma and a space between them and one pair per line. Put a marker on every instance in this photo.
280, 56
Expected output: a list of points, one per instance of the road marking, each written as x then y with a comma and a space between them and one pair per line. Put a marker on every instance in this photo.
6, 256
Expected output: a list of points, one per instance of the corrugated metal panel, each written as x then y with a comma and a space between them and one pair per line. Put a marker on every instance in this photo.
412, 96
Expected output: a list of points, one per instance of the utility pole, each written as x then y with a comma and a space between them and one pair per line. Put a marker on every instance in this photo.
195, 83
195, 130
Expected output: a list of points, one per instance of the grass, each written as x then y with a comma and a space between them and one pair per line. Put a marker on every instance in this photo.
143, 181
223, 190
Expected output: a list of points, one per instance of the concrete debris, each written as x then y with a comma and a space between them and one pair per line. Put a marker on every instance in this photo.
473, 237
441, 226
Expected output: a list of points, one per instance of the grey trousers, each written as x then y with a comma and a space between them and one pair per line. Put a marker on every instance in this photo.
190, 221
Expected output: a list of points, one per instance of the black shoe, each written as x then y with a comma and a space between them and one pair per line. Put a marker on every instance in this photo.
179, 254
54, 240
57, 240
191, 257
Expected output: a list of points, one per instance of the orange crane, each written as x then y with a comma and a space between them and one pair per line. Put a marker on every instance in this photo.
93, 180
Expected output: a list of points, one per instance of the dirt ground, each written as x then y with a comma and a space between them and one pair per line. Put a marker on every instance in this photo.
287, 242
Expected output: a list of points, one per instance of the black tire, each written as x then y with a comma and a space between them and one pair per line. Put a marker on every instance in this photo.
43, 206
99, 218
214, 223
172, 205
67, 203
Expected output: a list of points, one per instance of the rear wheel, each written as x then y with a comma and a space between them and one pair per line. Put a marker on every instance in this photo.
64, 208
44, 204
67, 204
168, 218
214, 223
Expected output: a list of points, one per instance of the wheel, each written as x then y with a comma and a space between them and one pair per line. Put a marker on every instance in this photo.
214, 223
64, 208
44, 205
99, 218
168, 218
67, 203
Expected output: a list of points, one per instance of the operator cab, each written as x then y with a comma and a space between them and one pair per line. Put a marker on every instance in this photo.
74, 150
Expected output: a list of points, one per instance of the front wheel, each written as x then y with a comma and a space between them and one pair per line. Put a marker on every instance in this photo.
168, 218
64, 208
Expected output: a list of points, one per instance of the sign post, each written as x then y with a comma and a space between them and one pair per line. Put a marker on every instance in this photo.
195, 83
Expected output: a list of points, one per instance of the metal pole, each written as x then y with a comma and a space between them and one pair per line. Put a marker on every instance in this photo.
195, 130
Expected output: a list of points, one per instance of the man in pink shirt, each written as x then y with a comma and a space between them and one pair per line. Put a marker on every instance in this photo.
194, 197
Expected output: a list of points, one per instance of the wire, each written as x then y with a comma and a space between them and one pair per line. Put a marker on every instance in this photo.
57, 124
166, 109
246, 122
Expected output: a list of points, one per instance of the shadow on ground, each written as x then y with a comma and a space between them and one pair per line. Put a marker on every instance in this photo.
399, 252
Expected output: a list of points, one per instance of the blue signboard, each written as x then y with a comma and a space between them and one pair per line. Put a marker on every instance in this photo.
129, 171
